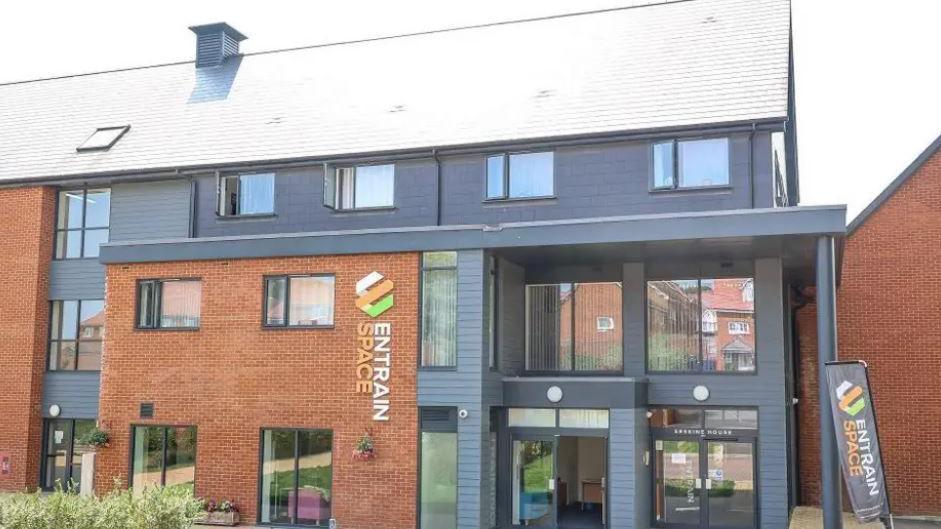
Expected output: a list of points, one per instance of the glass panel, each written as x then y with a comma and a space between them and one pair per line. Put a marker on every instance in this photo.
69, 244
673, 318
275, 301
375, 186
277, 480
92, 320
63, 356
732, 419
228, 195
345, 178
148, 457
438, 480
663, 165
728, 324
549, 327
146, 299
315, 477
731, 485
598, 338
531, 174
69, 323
533, 417
181, 456
676, 418
70, 210
256, 194
533, 483
94, 239
439, 259
179, 303
81, 427
676, 471
311, 300
439, 317
703, 162
89, 356
569, 418
58, 440
495, 188
98, 208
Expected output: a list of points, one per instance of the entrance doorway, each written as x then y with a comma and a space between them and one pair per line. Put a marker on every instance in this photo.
560, 482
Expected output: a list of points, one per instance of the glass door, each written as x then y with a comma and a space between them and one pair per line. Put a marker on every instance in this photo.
534, 482
678, 480
730, 483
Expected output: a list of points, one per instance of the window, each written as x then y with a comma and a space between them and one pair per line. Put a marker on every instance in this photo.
438, 469
563, 418
168, 303
82, 223
103, 139
574, 418
76, 332
360, 187
439, 309
521, 175
299, 301
246, 194
62, 457
699, 418
531, 418
163, 456
682, 318
681, 164
573, 327
296, 477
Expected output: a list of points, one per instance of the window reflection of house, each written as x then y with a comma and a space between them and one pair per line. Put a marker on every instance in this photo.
729, 310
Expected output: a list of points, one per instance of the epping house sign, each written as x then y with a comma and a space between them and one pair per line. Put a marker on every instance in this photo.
374, 342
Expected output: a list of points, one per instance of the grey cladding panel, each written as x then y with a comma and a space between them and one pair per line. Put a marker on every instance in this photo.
75, 392
150, 210
76, 279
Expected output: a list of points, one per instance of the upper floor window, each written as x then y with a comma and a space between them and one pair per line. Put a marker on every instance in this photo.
103, 138
439, 309
573, 327
299, 301
683, 317
520, 175
246, 194
76, 332
360, 187
684, 164
82, 222
169, 303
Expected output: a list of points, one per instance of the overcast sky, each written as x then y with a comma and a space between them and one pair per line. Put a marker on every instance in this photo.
868, 83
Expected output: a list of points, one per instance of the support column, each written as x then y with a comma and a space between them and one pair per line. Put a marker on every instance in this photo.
827, 350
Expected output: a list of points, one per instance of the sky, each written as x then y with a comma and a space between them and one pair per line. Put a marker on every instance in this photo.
868, 99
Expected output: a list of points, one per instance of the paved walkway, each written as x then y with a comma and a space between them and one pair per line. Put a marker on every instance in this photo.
812, 518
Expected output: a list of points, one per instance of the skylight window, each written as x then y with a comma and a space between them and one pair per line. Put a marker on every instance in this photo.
103, 139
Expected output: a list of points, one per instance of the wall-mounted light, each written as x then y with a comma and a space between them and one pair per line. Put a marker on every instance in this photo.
55, 410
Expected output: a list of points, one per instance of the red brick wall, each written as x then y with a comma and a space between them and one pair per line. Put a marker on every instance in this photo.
26, 235
231, 378
889, 314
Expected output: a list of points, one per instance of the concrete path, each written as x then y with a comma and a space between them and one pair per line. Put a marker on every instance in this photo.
812, 518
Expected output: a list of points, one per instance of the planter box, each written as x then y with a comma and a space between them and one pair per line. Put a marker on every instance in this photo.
219, 518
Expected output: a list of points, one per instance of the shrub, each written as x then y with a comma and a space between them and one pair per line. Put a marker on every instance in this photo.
155, 508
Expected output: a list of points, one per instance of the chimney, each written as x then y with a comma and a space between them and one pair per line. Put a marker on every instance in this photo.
215, 43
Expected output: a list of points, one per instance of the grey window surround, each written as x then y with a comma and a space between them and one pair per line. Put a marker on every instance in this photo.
676, 167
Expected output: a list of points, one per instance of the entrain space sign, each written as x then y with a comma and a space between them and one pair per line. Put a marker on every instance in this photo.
374, 343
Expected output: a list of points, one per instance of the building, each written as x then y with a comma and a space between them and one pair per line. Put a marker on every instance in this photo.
887, 299
547, 282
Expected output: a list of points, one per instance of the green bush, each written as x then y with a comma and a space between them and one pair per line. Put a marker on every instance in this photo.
155, 508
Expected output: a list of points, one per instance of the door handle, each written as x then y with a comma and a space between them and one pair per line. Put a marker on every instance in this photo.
708, 484
551, 484
698, 483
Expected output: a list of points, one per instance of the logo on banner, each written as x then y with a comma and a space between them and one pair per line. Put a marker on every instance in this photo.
372, 291
374, 343
851, 398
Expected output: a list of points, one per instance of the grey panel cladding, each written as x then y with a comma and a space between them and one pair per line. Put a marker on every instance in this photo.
512, 326
76, 392
150, 210
76, 279
628, 475
591, 392
298, 204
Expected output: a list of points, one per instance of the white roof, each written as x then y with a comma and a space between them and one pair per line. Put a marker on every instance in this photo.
671, 64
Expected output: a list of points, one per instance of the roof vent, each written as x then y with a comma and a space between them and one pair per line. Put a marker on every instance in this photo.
215, 43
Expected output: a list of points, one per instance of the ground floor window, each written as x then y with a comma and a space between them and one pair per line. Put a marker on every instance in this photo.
297, 477
438, 475
163, 456
62, 456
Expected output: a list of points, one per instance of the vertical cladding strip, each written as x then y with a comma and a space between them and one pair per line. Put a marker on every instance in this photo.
622, 471
634, 293
26, 227
512, 319
150, 210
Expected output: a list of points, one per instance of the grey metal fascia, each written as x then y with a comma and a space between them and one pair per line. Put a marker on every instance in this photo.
810, 220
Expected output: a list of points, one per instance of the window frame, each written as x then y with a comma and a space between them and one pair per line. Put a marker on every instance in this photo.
83, 228
700, 362
222, 177
78, 336
506, 197
158, 301
69, 454
287, 301
261, 471
104, 147
744, 328
163, 461
332, 173
421, 309
675, 167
